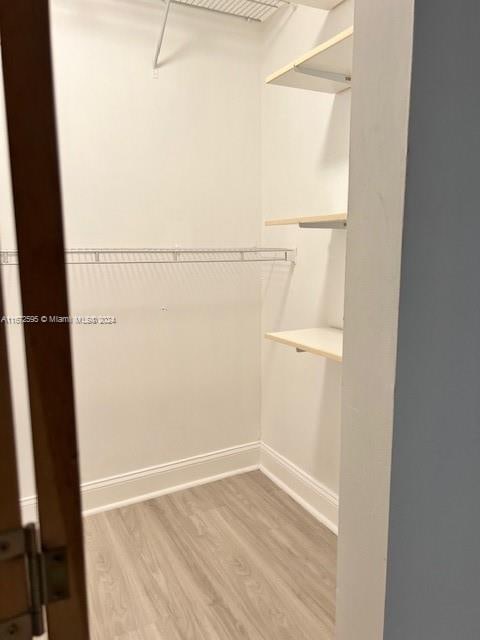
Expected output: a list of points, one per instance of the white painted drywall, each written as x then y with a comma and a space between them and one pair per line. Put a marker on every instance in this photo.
305, 146
195, 157
155, 162
380, 109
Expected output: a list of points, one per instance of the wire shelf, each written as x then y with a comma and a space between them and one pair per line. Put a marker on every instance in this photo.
258, 10
165, 256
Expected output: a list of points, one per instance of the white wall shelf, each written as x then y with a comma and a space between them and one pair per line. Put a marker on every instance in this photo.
331, 221
324, 341
320, 4
326, 68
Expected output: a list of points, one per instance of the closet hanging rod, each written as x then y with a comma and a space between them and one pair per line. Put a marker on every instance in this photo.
165, 256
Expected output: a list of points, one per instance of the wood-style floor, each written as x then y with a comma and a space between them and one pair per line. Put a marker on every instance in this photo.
234, 559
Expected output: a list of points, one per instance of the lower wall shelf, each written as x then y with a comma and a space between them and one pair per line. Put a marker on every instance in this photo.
323, 341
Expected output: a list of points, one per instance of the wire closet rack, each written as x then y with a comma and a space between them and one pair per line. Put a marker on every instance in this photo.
165, 256
258, 10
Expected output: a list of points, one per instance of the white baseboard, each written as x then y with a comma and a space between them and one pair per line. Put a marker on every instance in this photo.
313, 496
143, 484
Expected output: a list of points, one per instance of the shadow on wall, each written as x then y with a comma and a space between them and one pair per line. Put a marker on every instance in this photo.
179, 367
151, 285
337, 20
334, 292
333, 22
326, 435
334, 153
277, 23
274, 278
335, 149
141, 20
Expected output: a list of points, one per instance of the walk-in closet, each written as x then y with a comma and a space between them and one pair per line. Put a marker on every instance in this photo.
204, 165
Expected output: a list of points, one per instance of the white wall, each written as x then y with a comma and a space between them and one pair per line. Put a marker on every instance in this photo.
155, 162
305, 145
197, 156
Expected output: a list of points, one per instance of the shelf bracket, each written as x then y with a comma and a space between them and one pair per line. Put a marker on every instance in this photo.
298, 350
327, 75
340, 224
156, 63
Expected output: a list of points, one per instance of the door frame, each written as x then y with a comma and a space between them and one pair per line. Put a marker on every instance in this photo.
34, 165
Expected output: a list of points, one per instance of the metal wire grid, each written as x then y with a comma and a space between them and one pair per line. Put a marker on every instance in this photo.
258, 10
162, 256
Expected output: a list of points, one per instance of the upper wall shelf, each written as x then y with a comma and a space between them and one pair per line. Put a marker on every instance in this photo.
331, 221
323, 341
326, 68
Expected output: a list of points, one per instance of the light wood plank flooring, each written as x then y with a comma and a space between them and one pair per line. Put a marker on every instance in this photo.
231, 560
